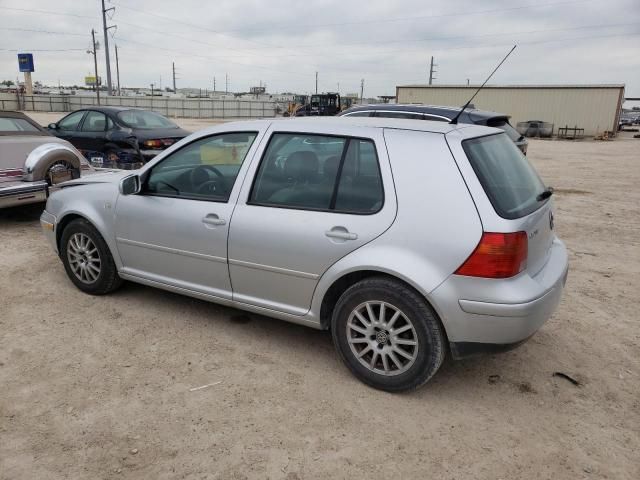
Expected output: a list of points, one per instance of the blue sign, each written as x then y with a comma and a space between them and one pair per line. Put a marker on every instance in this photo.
25, 62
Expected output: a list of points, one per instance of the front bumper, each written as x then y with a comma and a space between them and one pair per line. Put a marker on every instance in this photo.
49, 224
496, 315
22, 193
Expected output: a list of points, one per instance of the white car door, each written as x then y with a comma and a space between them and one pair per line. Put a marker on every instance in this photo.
312, 197
174, 232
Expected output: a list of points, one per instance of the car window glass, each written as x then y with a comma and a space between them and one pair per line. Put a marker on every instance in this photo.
358, 114
70, 122
205, 169
16, 125
301, 171
407, 115
507, 177
94, 122
360, 185
110, 124
144, 119
298, 170
435, 118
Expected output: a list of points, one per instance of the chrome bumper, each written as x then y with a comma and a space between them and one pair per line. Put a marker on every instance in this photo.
22, 193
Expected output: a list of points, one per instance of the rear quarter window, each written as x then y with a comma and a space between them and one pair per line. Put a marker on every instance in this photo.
508, 179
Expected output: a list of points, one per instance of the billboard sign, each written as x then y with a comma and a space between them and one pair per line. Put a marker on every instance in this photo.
25, 62
90, 81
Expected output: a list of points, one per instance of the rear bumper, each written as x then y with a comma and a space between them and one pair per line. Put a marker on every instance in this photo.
484, 315
22, 193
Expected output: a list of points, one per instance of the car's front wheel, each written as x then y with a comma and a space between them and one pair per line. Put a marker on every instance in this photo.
388, 335
87, 259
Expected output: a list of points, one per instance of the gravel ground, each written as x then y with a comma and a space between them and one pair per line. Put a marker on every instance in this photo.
102, 387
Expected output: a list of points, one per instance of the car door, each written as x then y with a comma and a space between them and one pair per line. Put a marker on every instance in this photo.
91, 136
175, 231
315, 196
69, 127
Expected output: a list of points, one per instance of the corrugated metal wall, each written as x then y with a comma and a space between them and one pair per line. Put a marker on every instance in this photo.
594, 109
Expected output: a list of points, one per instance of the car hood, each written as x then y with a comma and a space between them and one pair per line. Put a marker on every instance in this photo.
100, 176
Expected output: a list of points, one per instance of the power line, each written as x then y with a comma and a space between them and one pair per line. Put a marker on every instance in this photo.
48, 12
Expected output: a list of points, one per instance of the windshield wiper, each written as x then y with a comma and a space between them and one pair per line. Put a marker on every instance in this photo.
546, 194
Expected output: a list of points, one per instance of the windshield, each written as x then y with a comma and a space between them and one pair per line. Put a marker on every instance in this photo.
506, 175
503, 124
16, 125
144, 119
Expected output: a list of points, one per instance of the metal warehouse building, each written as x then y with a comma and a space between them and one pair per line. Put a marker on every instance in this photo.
595, 108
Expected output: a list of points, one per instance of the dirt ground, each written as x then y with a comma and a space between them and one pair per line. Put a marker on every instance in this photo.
101, 387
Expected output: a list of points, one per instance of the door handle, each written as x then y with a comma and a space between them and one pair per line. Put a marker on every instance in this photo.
213, 219
341, 233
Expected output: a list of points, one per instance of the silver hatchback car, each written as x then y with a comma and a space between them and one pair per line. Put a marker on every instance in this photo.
407, 239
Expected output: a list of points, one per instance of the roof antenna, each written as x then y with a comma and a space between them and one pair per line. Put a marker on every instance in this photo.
454, 121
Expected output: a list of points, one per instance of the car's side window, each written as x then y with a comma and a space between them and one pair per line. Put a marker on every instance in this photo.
308, 171
359, 114
206, 169
360, 184
391, 114
110, 124
94, 122
70, 122
435, 118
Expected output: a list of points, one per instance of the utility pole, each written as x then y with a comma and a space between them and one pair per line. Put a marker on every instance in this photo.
361, 90
214, 85
173, 64
117, 69
316, 82
106, 45
226, 83
432, 71
95, 63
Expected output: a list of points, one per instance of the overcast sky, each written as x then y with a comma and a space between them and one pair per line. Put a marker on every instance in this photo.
283, 43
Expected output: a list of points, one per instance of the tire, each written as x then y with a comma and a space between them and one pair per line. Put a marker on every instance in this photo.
87, 259
416, 322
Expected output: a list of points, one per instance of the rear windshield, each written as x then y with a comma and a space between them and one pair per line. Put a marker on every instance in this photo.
506, 175
144, 119
504, 124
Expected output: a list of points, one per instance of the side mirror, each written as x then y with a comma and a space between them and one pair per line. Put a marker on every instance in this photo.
53, 126
130, 185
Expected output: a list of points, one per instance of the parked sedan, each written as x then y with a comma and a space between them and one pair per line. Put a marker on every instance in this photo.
441, 114
333, 223
118, 137
31, 160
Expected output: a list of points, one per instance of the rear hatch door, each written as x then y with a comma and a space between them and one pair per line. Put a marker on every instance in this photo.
519, 199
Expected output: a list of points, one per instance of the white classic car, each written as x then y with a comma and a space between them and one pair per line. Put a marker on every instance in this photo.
31, 160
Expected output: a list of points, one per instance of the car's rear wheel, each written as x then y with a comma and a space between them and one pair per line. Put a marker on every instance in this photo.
59, 171
388, 335
87, 259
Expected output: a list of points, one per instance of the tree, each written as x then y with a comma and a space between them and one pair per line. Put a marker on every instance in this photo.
7, 83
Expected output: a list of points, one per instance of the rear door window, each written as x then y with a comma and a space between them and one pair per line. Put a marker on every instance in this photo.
94, 122
506, 175
316, 172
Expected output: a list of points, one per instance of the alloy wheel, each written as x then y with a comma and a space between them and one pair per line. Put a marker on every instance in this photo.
382, 338
84, 258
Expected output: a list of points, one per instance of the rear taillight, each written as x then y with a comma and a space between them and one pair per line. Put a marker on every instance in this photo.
498, 255
159, 143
